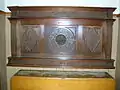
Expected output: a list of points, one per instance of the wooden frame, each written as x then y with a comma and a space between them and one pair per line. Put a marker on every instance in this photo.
49, 17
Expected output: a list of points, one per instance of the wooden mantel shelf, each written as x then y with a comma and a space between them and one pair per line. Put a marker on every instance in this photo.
58, 63
61, 8
9, 14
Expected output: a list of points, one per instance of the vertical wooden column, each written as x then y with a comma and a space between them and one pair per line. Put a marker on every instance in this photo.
15, 39
107, 34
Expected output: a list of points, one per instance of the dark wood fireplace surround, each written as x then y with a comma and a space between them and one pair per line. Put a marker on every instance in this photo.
59, 36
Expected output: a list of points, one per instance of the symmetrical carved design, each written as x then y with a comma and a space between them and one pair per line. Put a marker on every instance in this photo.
61, 39
92, 39
30, 37
79, 37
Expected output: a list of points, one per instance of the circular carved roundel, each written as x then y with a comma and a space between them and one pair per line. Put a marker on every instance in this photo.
61, 40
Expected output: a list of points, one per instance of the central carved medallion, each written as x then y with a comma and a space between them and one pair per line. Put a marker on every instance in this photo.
60, 39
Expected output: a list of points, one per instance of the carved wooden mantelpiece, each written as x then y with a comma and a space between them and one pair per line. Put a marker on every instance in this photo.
57, 36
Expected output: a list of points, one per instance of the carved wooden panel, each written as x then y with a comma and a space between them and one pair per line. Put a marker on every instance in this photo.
92, 40
30, 39
60, 39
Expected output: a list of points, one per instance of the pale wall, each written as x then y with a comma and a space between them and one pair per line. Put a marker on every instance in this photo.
118, 59
2, 54
95, 3
2, 5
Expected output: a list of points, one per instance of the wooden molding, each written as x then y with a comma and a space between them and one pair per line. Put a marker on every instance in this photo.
9, 13
5, 13
57, 63
2, 12
116, 15
59, 8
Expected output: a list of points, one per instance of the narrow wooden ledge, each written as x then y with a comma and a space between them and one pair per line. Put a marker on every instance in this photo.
2, 12
9, 14
5, 13
116, 15
57, 63
61, 8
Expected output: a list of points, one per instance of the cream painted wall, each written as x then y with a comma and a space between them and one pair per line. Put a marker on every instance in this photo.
2, 5
95, 3
117, 75
2, 54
